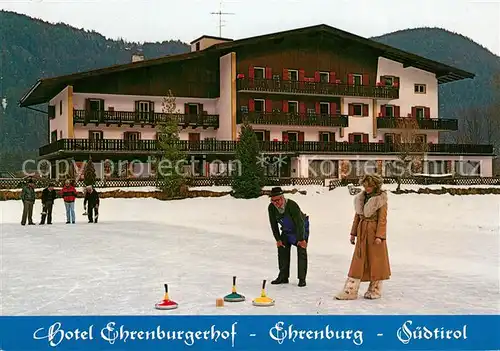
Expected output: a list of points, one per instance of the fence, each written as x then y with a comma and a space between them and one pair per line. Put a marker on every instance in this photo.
17, 183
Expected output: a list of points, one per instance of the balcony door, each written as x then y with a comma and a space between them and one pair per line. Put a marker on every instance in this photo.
94, 110
132, 140
145, 111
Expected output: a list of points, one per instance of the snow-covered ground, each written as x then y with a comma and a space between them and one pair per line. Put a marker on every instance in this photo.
444, 252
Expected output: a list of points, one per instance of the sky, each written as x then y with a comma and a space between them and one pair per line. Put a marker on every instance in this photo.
186, 20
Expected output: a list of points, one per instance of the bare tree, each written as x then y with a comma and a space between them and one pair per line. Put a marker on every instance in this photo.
410, 150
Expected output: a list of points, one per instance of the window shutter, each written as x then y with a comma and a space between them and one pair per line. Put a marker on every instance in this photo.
316, 76
427, 112
413, 111
269, 73
365, 138
87, 104
101, 105
269, 105
351, 109
333, 78
366, 113
267, 135
351, 138
382, 80
397, 111
396, 81
125, 135
382, 110
200, 109
366, 79
350, 79
301, 136
302, 108
317, 107
251, 72
137, 106
285, 106
284, 136
301, 75
319, 136
51, 111
251, 105
285, 74
333, 108
186, 108
152, 106
332, 137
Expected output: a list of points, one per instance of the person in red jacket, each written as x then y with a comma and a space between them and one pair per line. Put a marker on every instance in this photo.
68, 194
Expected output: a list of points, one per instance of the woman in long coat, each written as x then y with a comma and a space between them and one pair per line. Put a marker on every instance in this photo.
370, 260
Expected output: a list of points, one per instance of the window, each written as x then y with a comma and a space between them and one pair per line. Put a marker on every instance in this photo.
53, 136
420, 112
420, 139
259, 73
60, 107
260, 135
293, 136
192, 109
95, 135
388, 80
324, 108
95, 105
260, 105
143, 106
293, 75
389, 111
357, 109
420, 88
293, 107
131, 136
389, 138
198, 46
324, 77
358, 79
327, 137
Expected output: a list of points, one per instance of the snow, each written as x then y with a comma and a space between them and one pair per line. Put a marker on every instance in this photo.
443, 249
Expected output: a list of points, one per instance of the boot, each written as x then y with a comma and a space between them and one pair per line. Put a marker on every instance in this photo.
350, 291
279, 280
374, 290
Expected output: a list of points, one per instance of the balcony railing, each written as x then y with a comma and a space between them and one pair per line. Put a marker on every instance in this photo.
316, 88
420, 123
149, 118
229, 146
296, 119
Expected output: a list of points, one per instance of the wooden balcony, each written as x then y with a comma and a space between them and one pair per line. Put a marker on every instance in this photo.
417, 123
144, 118
66, 147
315, 88
293, 119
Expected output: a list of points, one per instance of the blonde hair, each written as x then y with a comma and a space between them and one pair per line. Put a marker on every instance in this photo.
374, 180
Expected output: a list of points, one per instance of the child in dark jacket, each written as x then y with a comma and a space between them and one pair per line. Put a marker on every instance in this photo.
92, 199
48, 197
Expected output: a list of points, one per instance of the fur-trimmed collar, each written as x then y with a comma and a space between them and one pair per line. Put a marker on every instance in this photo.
372, 205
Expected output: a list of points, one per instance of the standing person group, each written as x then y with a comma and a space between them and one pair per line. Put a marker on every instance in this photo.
49, 194
370, 260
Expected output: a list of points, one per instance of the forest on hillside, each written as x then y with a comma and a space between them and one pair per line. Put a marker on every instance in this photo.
32, 49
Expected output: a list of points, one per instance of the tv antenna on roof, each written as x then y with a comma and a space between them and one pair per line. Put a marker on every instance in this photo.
220, 13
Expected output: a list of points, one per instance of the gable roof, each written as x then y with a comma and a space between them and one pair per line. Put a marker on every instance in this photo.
45, 89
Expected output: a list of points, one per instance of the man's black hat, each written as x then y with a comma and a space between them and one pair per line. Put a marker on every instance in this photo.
276, 191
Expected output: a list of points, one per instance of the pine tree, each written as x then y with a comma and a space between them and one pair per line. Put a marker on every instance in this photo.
169, 168
248, 184
89, 175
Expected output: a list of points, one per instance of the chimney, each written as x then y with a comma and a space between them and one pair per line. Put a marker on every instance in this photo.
206, 41
138, 56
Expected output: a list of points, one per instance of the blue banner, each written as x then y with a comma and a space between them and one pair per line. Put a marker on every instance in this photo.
292, 332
